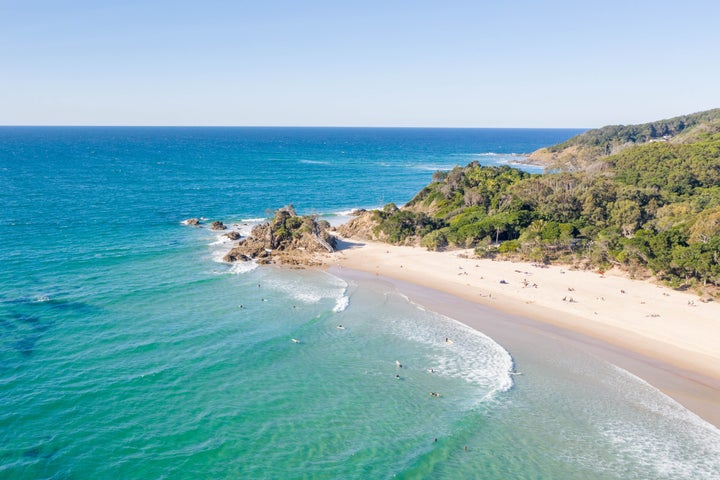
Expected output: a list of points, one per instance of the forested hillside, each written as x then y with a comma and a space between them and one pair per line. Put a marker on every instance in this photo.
582, 151
650, 208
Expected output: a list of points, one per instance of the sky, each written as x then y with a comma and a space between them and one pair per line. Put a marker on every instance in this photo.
449, 63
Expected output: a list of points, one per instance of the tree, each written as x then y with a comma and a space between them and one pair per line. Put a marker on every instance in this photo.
625, 216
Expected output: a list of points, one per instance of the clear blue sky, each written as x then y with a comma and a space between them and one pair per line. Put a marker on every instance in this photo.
444, 63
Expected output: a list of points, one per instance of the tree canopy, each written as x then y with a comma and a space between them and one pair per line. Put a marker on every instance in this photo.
654, 207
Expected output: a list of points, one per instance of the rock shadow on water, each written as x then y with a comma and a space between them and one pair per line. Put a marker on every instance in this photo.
24, 320
43, 451
26, 345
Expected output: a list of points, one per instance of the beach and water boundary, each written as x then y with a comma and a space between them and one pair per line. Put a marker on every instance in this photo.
126, 353
674, 350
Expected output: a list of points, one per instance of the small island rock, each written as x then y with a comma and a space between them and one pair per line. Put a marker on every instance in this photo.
287, 239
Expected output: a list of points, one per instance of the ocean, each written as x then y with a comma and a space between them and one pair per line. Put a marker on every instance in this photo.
129, 350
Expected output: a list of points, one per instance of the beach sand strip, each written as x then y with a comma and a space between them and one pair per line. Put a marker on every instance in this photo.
666, 337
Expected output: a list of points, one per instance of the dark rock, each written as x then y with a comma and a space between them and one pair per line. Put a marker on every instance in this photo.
217, 225
192, 221
233, 235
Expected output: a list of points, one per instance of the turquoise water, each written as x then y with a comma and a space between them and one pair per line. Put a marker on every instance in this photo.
127, 349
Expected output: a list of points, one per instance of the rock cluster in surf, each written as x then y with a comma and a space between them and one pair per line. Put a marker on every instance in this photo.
287, 239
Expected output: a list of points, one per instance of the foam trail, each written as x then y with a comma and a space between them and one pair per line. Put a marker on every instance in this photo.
314, 162
460, 351
239, 268
297, 286
341, 304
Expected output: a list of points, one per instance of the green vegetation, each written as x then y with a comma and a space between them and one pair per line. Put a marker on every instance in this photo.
610, 135
653, 207
583, 151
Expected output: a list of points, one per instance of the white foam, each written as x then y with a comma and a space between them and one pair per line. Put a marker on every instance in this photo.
220, 244
341, 304
652, 433
297, 287
217, 255
221, 240
314, 162
471, 356
239, 268
435, 167
657, 402
684, 455
494, 154
345, 213
245, 225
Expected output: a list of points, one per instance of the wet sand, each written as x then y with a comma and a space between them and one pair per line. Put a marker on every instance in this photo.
668, 338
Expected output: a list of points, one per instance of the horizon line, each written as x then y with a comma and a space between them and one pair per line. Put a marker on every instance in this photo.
407, 127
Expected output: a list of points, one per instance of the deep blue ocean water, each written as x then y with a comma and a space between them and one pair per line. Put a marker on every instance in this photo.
124, 350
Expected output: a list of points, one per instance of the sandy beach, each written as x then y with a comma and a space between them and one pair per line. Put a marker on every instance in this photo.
668, 338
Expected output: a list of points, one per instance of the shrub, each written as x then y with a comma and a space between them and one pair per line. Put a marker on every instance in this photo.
509, 246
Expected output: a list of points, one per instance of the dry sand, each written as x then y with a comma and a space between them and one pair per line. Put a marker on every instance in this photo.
668, 338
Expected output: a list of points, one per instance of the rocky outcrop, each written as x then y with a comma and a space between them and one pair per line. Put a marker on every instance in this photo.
571, 158
286, 239
217, 225
233, 235
192, 221
361, 226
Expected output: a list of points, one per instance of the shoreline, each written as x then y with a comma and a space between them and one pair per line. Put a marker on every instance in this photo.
665, 337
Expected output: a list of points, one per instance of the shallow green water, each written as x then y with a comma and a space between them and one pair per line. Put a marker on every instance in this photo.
124, 351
